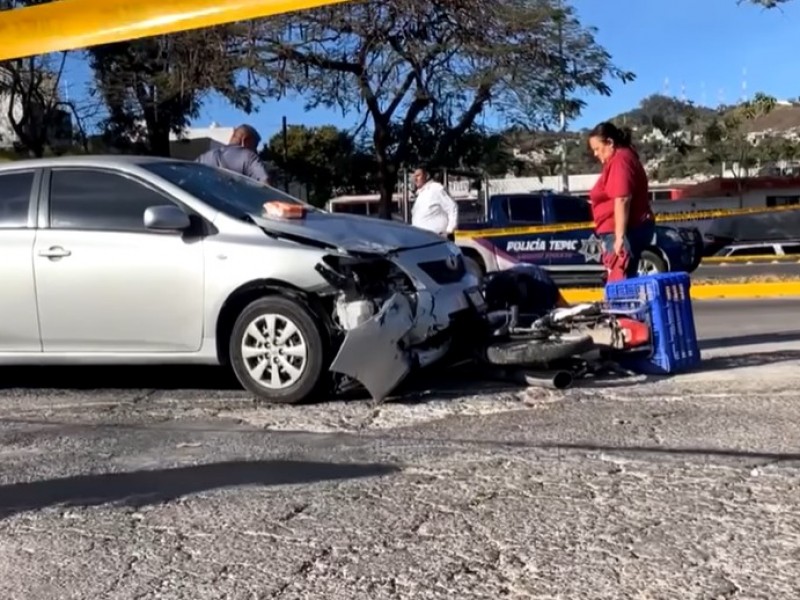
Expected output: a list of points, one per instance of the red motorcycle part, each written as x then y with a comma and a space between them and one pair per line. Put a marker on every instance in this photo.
635, 332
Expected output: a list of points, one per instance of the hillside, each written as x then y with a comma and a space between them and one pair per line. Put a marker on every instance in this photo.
676, 139
658, 108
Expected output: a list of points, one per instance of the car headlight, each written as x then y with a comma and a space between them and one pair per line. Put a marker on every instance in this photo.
368, 275
674, 235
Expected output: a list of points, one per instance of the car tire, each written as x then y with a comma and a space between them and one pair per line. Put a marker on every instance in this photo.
659, 264
284, 371
537, 353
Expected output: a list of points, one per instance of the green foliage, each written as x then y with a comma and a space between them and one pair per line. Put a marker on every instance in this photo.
154, 86
325, 159
765, 3
439, 63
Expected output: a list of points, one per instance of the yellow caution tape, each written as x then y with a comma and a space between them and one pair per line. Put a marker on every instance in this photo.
73, 24
660, 218
707, 291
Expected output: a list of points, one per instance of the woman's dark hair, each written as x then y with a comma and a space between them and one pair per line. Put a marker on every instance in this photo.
622, 137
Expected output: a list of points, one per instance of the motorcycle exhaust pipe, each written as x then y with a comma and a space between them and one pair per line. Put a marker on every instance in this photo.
556, 380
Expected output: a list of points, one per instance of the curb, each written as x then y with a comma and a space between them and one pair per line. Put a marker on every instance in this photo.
776, 260
707, 291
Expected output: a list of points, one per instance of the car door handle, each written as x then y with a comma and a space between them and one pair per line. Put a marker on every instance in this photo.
55, 252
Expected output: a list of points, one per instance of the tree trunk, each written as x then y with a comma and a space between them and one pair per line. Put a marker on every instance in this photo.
387, 184
36, 149
387, 171
158, 141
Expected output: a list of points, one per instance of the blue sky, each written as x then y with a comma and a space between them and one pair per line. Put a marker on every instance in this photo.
704, 49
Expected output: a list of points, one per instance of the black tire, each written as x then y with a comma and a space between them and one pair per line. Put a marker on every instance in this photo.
473, 267
312, 374
654, 259
537, 353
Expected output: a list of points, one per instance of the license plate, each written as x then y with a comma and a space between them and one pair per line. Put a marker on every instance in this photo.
476, 298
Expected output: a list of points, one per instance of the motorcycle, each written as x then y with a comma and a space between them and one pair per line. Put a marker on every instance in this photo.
560, 344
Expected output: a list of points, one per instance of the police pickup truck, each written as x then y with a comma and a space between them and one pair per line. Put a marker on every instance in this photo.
555, 231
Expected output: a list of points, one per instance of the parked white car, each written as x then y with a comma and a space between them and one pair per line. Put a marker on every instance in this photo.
143, 260
777, 248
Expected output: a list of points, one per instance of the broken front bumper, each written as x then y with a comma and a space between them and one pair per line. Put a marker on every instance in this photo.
405, 335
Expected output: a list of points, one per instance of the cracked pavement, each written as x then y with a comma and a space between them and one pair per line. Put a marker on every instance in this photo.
146, 484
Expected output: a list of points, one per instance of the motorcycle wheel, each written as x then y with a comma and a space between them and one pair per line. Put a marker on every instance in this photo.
537, 353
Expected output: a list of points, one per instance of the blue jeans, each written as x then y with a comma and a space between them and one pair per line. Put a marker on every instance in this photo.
636, 241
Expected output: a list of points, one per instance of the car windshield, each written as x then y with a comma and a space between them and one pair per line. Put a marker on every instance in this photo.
228, 192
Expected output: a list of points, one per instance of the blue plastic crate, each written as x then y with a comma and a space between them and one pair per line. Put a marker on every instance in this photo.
663, 301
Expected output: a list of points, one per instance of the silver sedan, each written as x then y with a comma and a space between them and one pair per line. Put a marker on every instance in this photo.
143, 260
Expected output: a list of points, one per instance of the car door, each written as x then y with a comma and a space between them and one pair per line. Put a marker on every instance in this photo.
104, 282
576, 249
19, 324
526, 211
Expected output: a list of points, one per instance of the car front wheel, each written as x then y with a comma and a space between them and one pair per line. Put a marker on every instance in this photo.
651, 264
276, 350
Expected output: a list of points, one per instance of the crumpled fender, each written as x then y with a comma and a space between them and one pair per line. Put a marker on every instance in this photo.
372, 354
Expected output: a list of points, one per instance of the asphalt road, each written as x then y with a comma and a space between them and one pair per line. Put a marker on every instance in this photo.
682, 488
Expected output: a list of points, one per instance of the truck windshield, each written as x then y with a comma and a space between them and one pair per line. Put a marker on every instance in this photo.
225, 191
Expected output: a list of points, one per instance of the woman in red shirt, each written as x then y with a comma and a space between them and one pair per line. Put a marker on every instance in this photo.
621, 210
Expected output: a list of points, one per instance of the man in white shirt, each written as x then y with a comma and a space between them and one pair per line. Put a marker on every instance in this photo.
433, 208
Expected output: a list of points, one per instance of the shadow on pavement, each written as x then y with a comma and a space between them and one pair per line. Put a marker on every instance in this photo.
750, 340
210, 378
708, 452
141, 488
719, 453
139, 377
708, 365
751, 359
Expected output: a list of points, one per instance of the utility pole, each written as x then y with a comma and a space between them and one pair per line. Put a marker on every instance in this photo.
285, 134
562, 63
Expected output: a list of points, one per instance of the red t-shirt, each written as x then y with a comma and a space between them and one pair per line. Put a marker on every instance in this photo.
623, 175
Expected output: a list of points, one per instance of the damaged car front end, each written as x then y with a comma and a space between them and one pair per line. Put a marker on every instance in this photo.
398, 311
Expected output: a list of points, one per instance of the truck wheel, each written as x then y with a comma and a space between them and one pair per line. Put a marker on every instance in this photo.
538, 353
276, 350
473, 267
651, 264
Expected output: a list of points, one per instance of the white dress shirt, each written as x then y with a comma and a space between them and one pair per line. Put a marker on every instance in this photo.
434, 209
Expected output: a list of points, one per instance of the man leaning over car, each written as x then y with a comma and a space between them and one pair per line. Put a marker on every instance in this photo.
239, 155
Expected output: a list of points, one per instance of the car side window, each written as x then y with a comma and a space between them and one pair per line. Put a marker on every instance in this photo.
758, 251
15, 198
570, 209
525, 209
99, 200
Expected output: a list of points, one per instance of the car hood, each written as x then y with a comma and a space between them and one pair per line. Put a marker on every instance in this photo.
350, 232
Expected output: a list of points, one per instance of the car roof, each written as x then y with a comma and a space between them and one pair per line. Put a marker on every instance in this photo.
87, 160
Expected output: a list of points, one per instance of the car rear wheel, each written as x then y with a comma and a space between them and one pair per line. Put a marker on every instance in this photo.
276, 350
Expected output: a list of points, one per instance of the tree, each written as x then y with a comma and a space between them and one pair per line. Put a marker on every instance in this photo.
32, 106
154, 86
31, 103
444, 62
765, 3
325, 159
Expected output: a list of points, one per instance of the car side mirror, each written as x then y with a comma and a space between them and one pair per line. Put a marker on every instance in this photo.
166, 218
